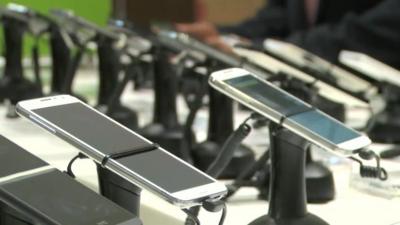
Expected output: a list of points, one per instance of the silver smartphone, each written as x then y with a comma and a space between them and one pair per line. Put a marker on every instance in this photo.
98, 136
301, 58
370, 67
294, 114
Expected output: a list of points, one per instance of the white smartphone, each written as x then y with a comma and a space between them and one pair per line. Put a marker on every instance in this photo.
370, 67
304, 60
98, 136
294, 114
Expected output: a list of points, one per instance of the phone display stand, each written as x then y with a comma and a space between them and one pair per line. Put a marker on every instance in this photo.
319, 179
109, 91
165, 128
220, 126
385, 125
61, 58
119, 190
66, 60
13, 86
75, 61
287, 187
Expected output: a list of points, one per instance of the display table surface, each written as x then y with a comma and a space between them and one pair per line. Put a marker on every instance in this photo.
350, 206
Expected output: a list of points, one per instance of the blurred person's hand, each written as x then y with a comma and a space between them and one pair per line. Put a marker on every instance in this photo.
201, 30
207, 32
220, 44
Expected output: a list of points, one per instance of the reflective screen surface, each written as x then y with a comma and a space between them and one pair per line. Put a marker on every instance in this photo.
293, 109
324, 126
92, 128
268, 95
104, 135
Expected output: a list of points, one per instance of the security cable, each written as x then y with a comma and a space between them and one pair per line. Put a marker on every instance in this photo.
223, 215
377, 172
69, 167
193, 218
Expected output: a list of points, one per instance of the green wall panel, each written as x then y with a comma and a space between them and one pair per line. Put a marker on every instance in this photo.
97, 11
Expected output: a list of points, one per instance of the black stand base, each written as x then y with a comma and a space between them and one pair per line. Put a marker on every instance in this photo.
171, 139
320, 184
308, 219
386, 125
287, 186
125, 116
18, 90
205, 153
11, 112
118, 190
385, 132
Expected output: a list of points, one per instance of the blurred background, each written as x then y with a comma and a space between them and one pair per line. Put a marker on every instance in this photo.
142, 12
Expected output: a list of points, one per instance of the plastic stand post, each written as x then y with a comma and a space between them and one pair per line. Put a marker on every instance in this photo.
14, 32
71, 71
109, 70
65, 64
165, 84
13, 85
119, 190
61, 59
319, 179
287, 196
165, 129
220, 126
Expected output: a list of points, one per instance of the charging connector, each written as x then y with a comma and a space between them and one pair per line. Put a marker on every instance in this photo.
213, 205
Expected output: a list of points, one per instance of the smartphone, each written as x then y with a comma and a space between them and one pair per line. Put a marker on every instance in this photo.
231, 59
294, 114
370, 67
319, 68
49, 196
98, 136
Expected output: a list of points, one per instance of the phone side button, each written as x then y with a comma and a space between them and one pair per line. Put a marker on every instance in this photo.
40, 123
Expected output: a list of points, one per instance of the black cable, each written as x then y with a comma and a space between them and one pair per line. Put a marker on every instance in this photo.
223, 215
188, 143
217, 167
371, 171
192, 216
69, 167
244, 178
225, 156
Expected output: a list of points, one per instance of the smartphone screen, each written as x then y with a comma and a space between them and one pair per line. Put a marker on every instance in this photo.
168, 173
308, 120
324, 126
156, 166
92, 128
270, 96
